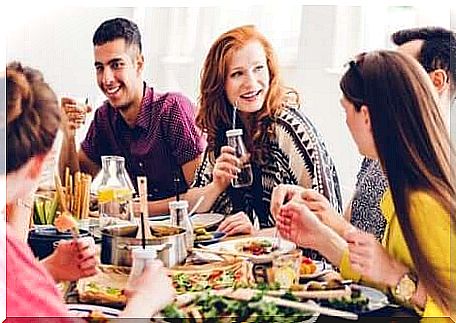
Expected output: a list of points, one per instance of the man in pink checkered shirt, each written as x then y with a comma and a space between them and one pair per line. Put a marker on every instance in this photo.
155, 132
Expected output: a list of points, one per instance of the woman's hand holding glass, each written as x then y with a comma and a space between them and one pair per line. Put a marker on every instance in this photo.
225, 168
75, 112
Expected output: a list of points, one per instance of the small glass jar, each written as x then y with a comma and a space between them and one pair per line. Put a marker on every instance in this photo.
285, 268
245, 175
140, 258
180, 218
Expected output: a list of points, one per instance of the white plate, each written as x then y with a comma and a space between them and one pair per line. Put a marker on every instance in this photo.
230, 246
321, 270
84, 310
205, 220
377, 299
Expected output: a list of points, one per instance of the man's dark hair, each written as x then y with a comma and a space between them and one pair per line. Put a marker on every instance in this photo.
116, 28
438, 50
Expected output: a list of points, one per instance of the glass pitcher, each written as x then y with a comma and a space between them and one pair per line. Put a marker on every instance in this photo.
115, 192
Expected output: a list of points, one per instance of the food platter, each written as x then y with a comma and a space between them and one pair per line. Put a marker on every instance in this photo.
106, 287
212, 307
237, 246
320, 270
86, 310
221, 274
216, 237
367, 300
377, 299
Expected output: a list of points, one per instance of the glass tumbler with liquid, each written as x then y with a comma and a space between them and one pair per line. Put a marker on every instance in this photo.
114, 192
245, 176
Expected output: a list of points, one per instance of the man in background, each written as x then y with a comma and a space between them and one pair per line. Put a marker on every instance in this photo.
155, 132
435, 49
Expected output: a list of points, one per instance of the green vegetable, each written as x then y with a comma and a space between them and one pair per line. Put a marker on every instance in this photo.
219, 309
113, 291
172, 312
39, 209
45, 210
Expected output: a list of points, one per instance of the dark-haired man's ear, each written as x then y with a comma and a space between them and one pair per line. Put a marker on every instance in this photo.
139, 62
440, 79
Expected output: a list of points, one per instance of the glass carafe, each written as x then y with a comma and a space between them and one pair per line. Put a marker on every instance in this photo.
114, 192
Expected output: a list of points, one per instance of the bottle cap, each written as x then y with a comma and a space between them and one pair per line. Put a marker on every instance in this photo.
178, 204
234, 132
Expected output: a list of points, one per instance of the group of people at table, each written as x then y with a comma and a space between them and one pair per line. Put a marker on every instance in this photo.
395, 234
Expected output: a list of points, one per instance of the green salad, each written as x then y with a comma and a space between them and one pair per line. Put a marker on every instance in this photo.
213, 308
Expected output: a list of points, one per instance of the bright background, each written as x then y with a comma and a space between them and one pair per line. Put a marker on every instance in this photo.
313, 42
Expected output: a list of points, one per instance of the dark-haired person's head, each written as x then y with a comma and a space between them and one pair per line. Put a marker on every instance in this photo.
118, 28
32, 121
435, 49
393, 115
119, 62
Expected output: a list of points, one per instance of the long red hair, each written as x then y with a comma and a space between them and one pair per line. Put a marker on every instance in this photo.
214, 110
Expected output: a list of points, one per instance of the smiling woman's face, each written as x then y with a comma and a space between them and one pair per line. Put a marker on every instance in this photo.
247, 80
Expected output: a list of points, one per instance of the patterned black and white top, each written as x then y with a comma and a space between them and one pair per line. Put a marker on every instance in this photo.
365, 206
297, 156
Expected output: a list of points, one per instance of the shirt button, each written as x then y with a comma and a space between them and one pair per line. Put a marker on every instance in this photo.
141, 164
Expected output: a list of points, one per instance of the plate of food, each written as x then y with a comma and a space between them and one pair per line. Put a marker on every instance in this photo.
312, 269
212, 307
106, 287
207, 220
93, 312
258, 249
203, 237
216, 275
362, 300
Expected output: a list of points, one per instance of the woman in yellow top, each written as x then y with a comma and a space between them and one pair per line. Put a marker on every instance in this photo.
392, 114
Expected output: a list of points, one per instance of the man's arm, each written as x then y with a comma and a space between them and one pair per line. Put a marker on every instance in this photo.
76, 161
189, 169
68, 154
87, 165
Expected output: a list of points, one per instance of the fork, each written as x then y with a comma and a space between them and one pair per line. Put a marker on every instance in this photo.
276, 240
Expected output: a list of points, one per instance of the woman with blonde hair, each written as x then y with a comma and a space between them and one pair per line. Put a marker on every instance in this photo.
392, 113
241, 70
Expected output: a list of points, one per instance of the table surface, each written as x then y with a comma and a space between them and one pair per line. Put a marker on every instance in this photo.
386, 314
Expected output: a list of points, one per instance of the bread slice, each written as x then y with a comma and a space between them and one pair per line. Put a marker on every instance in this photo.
106, 287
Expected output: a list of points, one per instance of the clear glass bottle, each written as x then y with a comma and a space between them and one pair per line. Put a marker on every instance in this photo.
245, 176
179, 217
114, 192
